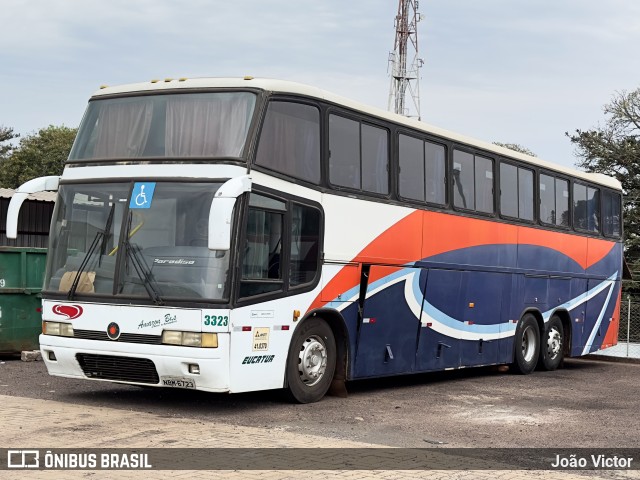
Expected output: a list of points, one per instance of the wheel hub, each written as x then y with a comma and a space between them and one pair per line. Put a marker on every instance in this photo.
554, 343
528, 344
312, 360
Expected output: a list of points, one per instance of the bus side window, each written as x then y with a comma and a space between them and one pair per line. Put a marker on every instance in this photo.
562, 203
593, 209
261, 263
290, 140
411, 163
375, 159
344, 152
547, 200
484, 184
305, 243
580, 206
435, 172
464, 192
611, 214
358, 155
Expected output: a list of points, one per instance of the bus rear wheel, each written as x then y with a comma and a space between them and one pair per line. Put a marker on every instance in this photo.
312, 361
526, 345
552, 347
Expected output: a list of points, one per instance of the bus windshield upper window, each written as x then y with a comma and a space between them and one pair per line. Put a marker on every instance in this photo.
170, 126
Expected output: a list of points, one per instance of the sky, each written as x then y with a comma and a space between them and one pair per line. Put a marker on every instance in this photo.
512, 71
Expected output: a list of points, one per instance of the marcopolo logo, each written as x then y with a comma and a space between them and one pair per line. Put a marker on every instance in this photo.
69, 311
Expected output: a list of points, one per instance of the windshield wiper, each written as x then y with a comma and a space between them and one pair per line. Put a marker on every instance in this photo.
143, 271
83, 265
107, 229
99, 239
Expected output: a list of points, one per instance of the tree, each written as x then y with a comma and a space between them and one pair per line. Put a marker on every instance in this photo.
37, 155
516, 147
614, 149
6, 134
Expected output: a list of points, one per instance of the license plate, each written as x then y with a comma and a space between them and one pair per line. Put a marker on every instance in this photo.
178, 382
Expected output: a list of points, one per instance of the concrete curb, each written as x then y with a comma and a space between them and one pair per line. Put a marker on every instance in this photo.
608, 358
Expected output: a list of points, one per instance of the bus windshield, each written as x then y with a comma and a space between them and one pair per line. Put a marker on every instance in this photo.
172, 126
140, 239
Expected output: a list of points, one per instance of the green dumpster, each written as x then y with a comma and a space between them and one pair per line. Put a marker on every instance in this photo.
21, 276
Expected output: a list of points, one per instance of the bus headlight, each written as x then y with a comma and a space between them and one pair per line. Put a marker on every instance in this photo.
58, 329
190, 339
172, 338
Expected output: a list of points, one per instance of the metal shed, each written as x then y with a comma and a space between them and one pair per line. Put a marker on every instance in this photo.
34, 220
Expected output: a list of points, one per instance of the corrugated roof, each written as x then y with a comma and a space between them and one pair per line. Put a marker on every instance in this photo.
39, 197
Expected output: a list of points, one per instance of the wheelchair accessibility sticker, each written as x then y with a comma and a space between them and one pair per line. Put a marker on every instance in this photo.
142, 195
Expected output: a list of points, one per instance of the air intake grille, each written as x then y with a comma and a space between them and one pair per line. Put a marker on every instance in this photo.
124, 337
125, 369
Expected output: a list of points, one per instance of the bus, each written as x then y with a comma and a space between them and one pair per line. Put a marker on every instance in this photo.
245, 234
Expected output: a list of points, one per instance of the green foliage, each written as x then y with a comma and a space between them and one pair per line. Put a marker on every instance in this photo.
37, 155
614, 149
516, 147
6, 134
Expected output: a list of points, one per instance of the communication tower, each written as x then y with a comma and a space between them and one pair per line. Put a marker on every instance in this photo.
404, 61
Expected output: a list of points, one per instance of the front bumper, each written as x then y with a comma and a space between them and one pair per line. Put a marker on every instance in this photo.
136, 363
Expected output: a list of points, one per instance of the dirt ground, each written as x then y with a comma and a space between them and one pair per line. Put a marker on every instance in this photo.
586, 403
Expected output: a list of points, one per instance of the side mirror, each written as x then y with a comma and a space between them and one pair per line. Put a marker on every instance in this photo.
41, 184
222, 209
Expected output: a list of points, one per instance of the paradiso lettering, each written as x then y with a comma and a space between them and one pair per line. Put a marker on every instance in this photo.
258, 359
179, 261
161, 322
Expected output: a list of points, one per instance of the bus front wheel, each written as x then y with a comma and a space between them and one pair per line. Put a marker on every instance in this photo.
526, 345
552, 347
312, 361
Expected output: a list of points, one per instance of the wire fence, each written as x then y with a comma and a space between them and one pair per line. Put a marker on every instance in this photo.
628, 333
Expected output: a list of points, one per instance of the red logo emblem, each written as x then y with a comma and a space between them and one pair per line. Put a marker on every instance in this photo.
69, 311
113, 331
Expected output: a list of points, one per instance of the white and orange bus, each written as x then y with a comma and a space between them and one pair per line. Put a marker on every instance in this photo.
244, 234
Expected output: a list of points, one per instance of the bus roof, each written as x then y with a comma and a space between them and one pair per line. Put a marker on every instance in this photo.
283, 86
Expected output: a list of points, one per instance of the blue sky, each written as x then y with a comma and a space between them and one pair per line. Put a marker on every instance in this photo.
517, 71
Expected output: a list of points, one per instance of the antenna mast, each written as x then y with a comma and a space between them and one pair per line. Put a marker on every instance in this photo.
405, 78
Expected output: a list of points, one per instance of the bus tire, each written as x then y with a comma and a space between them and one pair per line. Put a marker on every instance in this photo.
526, 345
552, 345
312, 361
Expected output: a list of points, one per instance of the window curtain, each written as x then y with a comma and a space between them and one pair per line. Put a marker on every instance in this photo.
123, 129
374, 159
216, 126
290, 141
